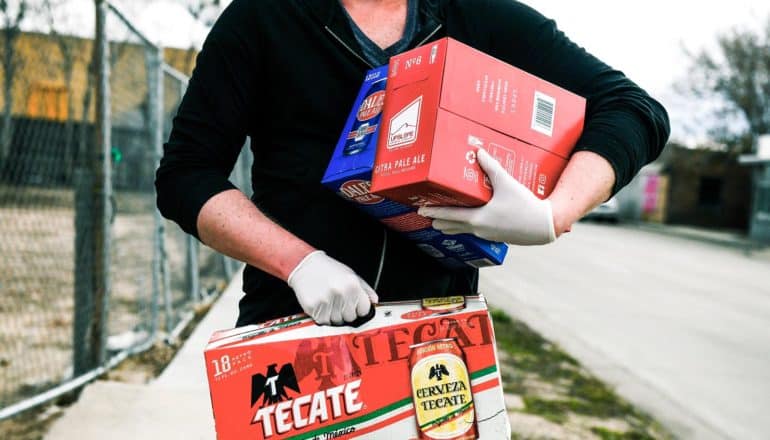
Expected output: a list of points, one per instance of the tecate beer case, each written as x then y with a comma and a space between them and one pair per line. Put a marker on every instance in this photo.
349, 175
418, 370
445, 101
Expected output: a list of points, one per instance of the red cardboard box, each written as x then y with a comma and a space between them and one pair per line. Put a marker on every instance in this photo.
444, 101
418, 369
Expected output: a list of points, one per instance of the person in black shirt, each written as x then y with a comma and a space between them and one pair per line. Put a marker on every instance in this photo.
284, 73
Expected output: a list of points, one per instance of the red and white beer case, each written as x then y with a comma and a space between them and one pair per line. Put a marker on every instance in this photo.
445, 100
428, 361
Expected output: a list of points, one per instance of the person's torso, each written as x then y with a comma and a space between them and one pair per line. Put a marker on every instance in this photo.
311, 70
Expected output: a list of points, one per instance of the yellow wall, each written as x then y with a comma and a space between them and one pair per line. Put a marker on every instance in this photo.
41, 91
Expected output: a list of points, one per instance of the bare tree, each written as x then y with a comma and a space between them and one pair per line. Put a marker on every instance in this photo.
69, 47
11, 20
737, 75
205, 12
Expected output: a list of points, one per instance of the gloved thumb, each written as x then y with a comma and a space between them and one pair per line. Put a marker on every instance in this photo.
491, 166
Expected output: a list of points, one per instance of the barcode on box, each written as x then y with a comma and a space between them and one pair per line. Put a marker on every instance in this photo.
543, 114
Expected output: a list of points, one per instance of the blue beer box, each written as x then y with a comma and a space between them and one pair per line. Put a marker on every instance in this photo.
349, 175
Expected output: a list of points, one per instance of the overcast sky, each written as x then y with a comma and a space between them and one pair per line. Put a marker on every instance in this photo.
644, 39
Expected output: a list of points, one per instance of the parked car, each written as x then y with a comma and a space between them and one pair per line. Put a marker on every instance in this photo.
607, 211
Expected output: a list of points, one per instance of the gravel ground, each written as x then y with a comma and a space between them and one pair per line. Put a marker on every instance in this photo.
37, 237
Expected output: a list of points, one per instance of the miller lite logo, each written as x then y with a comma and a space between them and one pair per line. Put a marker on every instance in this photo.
358, 191
371, 107
403, 126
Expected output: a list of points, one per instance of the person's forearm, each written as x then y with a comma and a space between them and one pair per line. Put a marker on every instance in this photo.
230, 223
586, 182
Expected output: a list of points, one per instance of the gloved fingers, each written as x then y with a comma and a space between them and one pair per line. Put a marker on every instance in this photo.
321, 314
363, 305
350, 308
452, 228
499, 177
451, 214
335, 314
491, 166
370, 293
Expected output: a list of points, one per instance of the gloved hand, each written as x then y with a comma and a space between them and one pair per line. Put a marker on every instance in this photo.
514, 214
329, 291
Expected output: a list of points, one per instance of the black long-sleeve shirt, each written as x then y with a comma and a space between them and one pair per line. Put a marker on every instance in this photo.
285, 73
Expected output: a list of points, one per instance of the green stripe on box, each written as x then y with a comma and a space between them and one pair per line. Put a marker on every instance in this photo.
483, 372
373, 415
359, 420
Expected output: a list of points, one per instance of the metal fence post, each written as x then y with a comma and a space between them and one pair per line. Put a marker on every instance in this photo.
193, 271
154, 61
102, 164
83, 286
92, 220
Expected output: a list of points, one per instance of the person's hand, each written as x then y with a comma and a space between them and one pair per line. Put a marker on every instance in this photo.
329, 291
514, 214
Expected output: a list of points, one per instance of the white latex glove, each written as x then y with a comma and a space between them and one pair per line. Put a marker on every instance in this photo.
329, 291
514, 214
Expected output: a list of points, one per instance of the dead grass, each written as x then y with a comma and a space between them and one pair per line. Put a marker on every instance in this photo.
557, 397
37, 255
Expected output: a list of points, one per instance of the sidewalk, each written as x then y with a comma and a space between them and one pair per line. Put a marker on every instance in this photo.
174, 406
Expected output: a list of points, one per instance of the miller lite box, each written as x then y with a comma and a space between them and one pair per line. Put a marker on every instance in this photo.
445, 101
349, 175
418, 370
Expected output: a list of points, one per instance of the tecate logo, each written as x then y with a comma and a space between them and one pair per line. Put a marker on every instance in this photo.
371, 107
310, 409
358, 191
403, 126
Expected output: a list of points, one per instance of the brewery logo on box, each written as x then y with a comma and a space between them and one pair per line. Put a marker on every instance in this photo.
403, 126
357, 190
329, 366
372, 106
273, 385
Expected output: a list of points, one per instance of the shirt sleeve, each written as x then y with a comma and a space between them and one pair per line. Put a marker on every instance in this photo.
210, 127
623, 123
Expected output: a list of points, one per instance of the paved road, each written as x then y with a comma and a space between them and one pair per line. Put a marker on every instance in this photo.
681, 327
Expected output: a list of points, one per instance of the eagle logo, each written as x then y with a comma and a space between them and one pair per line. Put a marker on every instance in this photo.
273, 385
438, 371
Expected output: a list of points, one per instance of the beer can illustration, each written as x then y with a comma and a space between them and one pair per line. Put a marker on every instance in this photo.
367, 120
444, 304
441, 391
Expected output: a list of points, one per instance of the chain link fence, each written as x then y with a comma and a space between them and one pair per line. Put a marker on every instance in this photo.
90, 273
